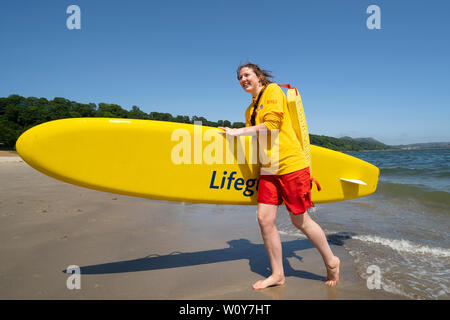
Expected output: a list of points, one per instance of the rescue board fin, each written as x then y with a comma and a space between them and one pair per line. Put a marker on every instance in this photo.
354, 181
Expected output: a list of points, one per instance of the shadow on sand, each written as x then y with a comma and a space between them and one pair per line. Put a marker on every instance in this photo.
241, 249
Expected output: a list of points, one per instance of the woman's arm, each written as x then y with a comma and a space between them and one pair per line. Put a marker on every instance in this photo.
246, 131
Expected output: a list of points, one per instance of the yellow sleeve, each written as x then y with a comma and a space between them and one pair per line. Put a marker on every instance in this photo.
272, 111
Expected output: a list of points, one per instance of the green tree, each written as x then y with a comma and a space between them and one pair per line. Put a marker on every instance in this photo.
85, 110
111, 111
33, 115
136, 113
11, 112
9, 133
182, 119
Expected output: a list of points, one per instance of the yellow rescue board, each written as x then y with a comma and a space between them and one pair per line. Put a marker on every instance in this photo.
173, 161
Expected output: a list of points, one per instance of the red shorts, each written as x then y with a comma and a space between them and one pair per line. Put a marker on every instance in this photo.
292, 188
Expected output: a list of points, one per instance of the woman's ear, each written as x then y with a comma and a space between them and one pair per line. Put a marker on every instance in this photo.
260, 80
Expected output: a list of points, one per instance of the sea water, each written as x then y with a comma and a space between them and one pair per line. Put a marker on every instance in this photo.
402, 229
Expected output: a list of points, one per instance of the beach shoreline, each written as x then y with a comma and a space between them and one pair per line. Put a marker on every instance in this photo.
134, 248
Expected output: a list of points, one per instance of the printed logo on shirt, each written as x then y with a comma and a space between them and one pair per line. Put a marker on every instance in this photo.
273, 101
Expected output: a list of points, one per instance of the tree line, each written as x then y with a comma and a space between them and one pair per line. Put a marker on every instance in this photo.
18, 114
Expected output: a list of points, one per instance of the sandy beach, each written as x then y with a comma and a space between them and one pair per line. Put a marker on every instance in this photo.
133, 248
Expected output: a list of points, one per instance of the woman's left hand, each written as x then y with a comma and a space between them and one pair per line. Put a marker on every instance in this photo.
233, 132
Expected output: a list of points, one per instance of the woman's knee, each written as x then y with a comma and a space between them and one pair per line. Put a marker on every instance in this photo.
266, 217
299, 221
265, 222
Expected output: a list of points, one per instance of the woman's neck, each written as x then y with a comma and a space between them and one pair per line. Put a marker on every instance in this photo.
256, 91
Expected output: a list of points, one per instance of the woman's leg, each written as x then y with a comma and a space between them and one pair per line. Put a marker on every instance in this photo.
315, 233
267, 214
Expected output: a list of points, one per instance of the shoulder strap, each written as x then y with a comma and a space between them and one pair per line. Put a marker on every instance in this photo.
289, 87
255, 105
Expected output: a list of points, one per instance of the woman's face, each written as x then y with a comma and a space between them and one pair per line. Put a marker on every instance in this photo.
249, 80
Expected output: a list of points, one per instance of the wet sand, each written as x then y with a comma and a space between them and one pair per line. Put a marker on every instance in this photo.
133, 248
5, 153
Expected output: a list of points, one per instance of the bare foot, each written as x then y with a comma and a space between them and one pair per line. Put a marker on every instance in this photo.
333, 273
269, 282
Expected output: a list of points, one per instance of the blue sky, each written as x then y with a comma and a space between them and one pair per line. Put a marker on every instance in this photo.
180, 57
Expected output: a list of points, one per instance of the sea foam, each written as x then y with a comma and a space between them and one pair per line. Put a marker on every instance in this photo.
402, 245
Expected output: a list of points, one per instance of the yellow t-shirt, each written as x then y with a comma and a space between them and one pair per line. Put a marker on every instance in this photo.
282, 153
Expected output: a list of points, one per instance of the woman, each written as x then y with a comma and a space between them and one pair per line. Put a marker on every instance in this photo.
290, 182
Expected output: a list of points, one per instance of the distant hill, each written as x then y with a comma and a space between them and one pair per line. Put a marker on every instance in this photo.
370, 141
348, 143
429, 145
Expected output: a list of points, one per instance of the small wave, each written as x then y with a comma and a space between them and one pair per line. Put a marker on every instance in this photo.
417, 192
417, 173
403, 171
404, 246
295, 233
399, 245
